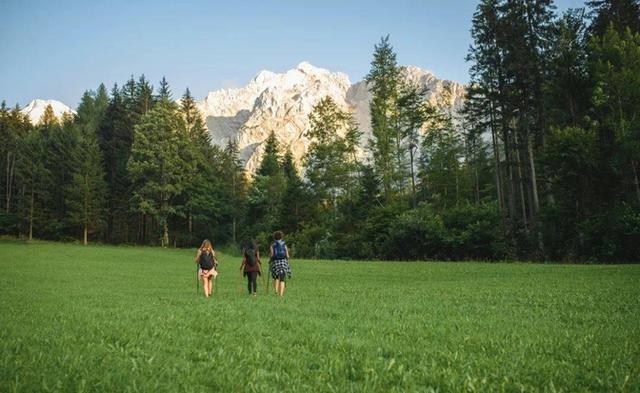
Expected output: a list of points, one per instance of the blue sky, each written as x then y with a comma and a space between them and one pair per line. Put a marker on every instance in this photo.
58, 49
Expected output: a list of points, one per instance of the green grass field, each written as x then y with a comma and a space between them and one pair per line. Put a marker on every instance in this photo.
109, 319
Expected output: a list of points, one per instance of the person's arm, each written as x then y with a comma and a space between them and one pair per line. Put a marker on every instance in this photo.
244, 260
271, 251
286, 251
213, 254
258, 259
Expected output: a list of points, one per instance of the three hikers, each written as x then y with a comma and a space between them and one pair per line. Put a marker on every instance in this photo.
251, 266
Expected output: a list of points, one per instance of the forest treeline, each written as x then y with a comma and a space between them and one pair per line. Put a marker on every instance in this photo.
541, 163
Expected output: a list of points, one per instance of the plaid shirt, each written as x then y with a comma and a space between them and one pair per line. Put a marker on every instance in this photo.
280, 266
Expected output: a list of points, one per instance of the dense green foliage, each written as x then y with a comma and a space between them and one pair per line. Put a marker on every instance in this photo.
128, 318
542, 163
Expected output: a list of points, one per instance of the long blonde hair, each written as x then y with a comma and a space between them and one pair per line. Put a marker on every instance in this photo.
206, 245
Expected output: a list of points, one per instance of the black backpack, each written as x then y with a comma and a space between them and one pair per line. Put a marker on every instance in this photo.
206, 261
251, 257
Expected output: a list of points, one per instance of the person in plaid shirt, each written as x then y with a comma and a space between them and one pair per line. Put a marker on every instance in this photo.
279, 265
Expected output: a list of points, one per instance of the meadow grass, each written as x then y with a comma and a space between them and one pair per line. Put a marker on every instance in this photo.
102, 318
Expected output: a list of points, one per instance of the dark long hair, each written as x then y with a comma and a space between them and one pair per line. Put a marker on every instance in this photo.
249, 244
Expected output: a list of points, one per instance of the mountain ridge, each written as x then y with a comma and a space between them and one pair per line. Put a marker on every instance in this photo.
281, 102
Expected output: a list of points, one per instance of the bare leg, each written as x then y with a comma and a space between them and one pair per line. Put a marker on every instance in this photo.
205, 286
281, 288
210, 285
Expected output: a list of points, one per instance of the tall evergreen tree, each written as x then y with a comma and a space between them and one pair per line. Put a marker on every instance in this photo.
34, 181
485, 102
234, 187
267, 189
85, 194
86, 191
115, 136
144, 99
383, 80
295, 201
164, 91
201, 200
157, 166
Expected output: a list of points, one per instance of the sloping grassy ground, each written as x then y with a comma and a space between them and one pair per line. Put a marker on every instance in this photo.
95, 318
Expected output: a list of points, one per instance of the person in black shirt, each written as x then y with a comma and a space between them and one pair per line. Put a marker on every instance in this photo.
206, 259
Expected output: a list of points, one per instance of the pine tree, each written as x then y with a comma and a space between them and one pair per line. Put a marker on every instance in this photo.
58, 140
201, 200
86, 192
85, 195
101, 102
295, 199
34, 180
383, 80
270, 164
157, 166
48, 120
267, 189
115, 136
164, 92
129, 94
144, 99
234, 187
485, 104
189, 110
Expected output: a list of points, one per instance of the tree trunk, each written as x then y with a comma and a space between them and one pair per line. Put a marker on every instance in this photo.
31, 208
634, 165
413, 180
523, 204
11, 165
534, 182
233, 229
165, 234
511, 191
477, 186
457, 189
190, 227
85, 235
496, 164
398, 157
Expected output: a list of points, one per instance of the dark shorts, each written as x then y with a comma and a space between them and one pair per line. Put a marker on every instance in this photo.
281, 276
